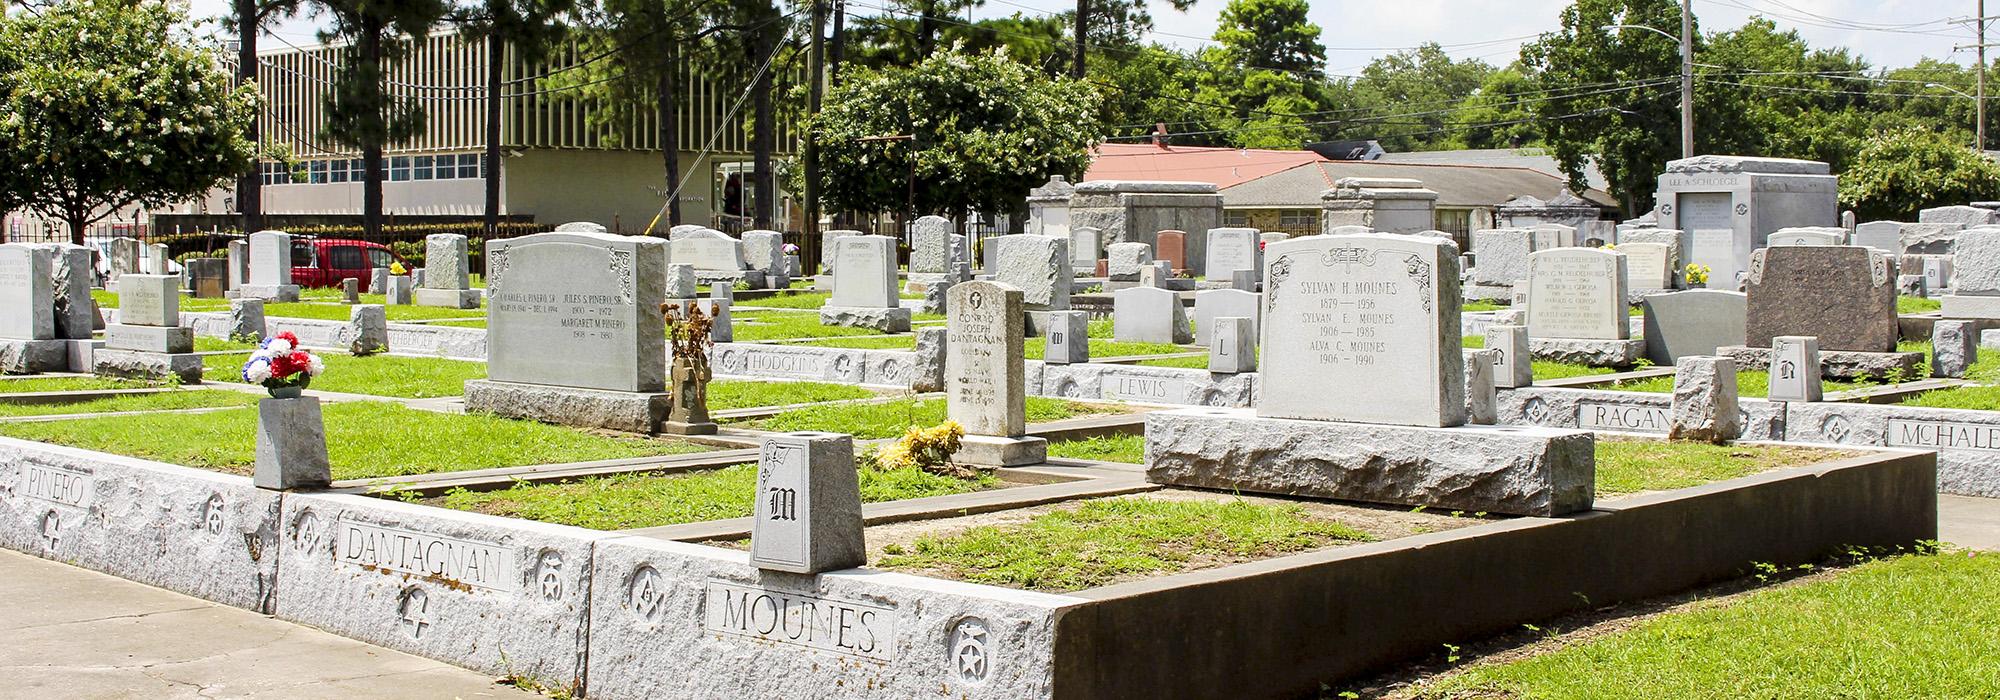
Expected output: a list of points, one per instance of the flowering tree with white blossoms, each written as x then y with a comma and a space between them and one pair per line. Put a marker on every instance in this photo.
106, 104
983, 131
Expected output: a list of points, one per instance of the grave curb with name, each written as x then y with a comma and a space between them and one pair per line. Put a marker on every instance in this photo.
1522, 471
892, 368
661, 626
1183, 386
1624, 411
1967, 441
192, 531
459, 587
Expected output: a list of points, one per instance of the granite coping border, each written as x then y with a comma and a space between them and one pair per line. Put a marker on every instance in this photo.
1294, 623
1634, 412
638, 616
202, 533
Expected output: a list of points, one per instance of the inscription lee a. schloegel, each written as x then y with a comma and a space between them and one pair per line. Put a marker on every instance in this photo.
1942, 435
379, 548
835, 626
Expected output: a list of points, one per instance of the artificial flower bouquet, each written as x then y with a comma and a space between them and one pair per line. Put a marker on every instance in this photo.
281, 367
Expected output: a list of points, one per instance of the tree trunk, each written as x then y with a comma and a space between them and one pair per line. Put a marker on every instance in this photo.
371, 143
837, 53
667, 103
762, 138
78, 217
927, 26
1082, 25
814, 94
250, 185
496, 69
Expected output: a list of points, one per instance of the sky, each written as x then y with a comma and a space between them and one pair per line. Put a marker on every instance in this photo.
1886, 32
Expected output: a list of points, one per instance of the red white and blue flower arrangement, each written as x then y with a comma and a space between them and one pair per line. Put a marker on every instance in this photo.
281, 367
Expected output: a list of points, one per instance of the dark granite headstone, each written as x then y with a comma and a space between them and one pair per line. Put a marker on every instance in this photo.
1843, 295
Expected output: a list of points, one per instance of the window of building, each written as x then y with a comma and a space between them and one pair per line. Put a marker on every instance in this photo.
399, 169
1297, 218
423, 167
357, 170
1235, 218
318, 172
1457, 221
469, 165
338, 171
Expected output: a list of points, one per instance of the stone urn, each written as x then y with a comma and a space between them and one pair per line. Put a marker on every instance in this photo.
688, 414
288, 391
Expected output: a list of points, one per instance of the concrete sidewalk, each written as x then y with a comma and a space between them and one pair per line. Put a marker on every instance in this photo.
70, 633
1969, 522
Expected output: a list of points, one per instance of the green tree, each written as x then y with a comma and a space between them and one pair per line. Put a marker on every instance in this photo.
1406, 99
1766, 92
633, 61
984, 131
1500, 114
1898, 174
529, 27
1609, 94
106, 104
1271, 34
1264, 74
1153, 85
248, 23
361, 110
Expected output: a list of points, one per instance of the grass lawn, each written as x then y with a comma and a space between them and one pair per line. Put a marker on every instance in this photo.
378, 375
725, 394
1182, 362
1749, 382
1981, 398
340, 312
1473, 342
1549, 369
142, 402
369, 439
1105, 540
1035, 348
783, 325
1917, 305
204, 343
796, 300
38, 384
1130, 449
1481, 305
109, 300
897, 342
1906, 627
893, 418
1626, 466
628, 501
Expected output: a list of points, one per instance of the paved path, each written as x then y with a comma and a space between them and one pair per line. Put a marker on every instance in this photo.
1969, 522
70, 633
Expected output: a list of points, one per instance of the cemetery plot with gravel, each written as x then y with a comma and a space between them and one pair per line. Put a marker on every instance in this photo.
631, 501
375, 439
1088, 544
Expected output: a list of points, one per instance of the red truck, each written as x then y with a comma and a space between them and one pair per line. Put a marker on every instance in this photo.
324, 262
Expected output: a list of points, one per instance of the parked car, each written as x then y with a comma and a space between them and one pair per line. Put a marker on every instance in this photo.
324, 262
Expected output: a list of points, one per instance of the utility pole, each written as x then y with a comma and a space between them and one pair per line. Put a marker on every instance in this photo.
816, 89
1082, 24
1687, 78
1979, 96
